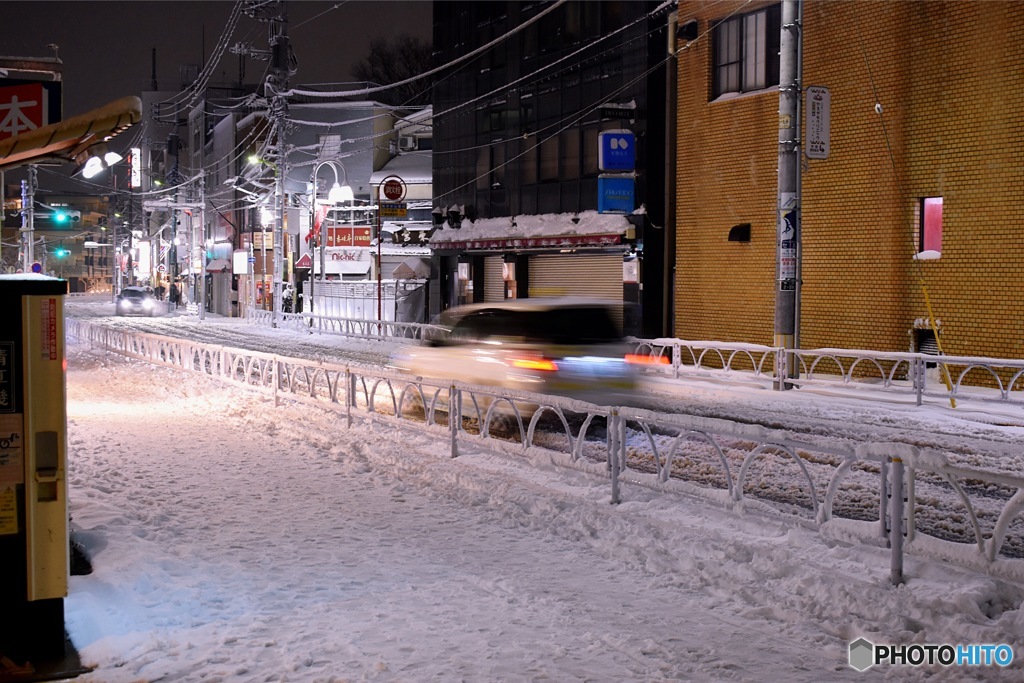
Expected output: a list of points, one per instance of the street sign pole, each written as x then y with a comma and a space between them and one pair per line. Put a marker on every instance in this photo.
393, 189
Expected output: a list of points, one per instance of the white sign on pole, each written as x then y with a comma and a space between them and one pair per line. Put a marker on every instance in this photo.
819, 121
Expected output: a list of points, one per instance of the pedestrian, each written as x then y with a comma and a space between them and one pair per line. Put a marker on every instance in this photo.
175, 294
287, 297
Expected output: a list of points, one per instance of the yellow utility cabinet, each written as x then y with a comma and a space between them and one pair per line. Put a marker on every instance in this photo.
34, 556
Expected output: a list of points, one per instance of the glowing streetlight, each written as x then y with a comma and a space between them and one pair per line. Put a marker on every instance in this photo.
336, 195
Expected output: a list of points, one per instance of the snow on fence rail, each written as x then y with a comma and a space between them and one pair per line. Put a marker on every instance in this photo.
967, 516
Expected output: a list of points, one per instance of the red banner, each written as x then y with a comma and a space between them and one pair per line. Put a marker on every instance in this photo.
349, 236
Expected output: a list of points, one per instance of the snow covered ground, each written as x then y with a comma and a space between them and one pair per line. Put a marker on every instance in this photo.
235, 541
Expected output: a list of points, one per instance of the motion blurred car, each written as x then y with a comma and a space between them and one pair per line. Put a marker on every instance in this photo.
564, 346
136, 301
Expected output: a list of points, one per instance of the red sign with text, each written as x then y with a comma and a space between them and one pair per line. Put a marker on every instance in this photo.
23, 108
349, 236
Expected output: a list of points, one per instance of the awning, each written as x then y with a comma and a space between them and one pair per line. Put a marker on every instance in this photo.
218, 265
414, 267
64, 140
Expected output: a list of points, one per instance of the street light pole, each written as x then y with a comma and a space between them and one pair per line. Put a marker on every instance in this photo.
337, 194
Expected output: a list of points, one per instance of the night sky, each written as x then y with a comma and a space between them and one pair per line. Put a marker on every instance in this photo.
107, 46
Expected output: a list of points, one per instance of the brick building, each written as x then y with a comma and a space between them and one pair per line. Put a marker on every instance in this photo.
939, 171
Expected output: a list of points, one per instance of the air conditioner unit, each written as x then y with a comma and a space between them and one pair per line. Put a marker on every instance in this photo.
407, 143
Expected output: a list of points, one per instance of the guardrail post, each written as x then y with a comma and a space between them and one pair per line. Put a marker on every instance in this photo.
274, 378
677, 358
896, 506
883, 499
454, 417
614, 447
781, 369
350, 390
920, 378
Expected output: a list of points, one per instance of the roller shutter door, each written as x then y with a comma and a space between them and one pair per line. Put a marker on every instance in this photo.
494, 279
596, 276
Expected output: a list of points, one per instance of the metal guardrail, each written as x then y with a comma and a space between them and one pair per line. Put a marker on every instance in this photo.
969, 377
347, 327
825, 483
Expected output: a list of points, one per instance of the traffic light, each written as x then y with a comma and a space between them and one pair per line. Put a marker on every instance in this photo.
66, 217
61, 252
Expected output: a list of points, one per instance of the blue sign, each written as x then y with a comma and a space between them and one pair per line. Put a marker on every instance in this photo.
615, 195
616, 151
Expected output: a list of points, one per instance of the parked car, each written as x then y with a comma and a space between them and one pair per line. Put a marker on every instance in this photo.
564, 346
136, 301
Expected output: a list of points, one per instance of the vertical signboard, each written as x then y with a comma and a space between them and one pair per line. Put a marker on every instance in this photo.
819, 121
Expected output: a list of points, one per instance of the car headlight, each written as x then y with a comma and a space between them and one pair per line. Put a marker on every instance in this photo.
124, 303
147, 303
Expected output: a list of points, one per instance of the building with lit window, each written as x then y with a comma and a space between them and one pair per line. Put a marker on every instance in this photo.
911, 169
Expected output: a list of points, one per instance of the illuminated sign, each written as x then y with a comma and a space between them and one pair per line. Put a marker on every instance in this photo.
136, 179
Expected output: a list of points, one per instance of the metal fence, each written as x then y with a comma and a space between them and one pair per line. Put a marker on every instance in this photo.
915, 375
879, 493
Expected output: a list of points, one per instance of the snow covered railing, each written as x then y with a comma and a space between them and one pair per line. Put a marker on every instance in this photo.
347, 327
969, 377
881, 493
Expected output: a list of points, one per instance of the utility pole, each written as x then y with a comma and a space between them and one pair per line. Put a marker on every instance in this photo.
787, 300
202, 246
278, 82
28, 202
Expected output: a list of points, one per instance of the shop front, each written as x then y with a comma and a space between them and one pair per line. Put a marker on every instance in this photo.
491, 260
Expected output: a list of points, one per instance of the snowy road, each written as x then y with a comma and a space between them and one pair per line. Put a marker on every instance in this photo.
296, 552
236, 541
974, 435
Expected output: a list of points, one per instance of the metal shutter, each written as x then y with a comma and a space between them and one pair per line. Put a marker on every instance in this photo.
494, 279
596, 276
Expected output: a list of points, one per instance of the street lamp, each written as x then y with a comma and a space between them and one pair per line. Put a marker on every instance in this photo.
338, 193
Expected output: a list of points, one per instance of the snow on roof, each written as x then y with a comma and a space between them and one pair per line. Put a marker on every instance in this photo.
540, 225
415, 168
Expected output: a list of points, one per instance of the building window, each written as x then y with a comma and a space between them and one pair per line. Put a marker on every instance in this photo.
746, 52
930, 235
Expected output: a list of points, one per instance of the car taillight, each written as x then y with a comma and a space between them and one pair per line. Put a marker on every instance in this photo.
640, 359
544, 364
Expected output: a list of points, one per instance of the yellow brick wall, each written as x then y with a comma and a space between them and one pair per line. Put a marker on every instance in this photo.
950, 79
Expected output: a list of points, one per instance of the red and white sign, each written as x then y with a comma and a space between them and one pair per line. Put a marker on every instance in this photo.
23, 108
392, 189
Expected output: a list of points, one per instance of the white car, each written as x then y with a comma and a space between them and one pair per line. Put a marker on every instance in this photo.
136, 301
565, 346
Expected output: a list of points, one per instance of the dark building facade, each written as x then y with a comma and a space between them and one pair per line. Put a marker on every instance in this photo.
516, 144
